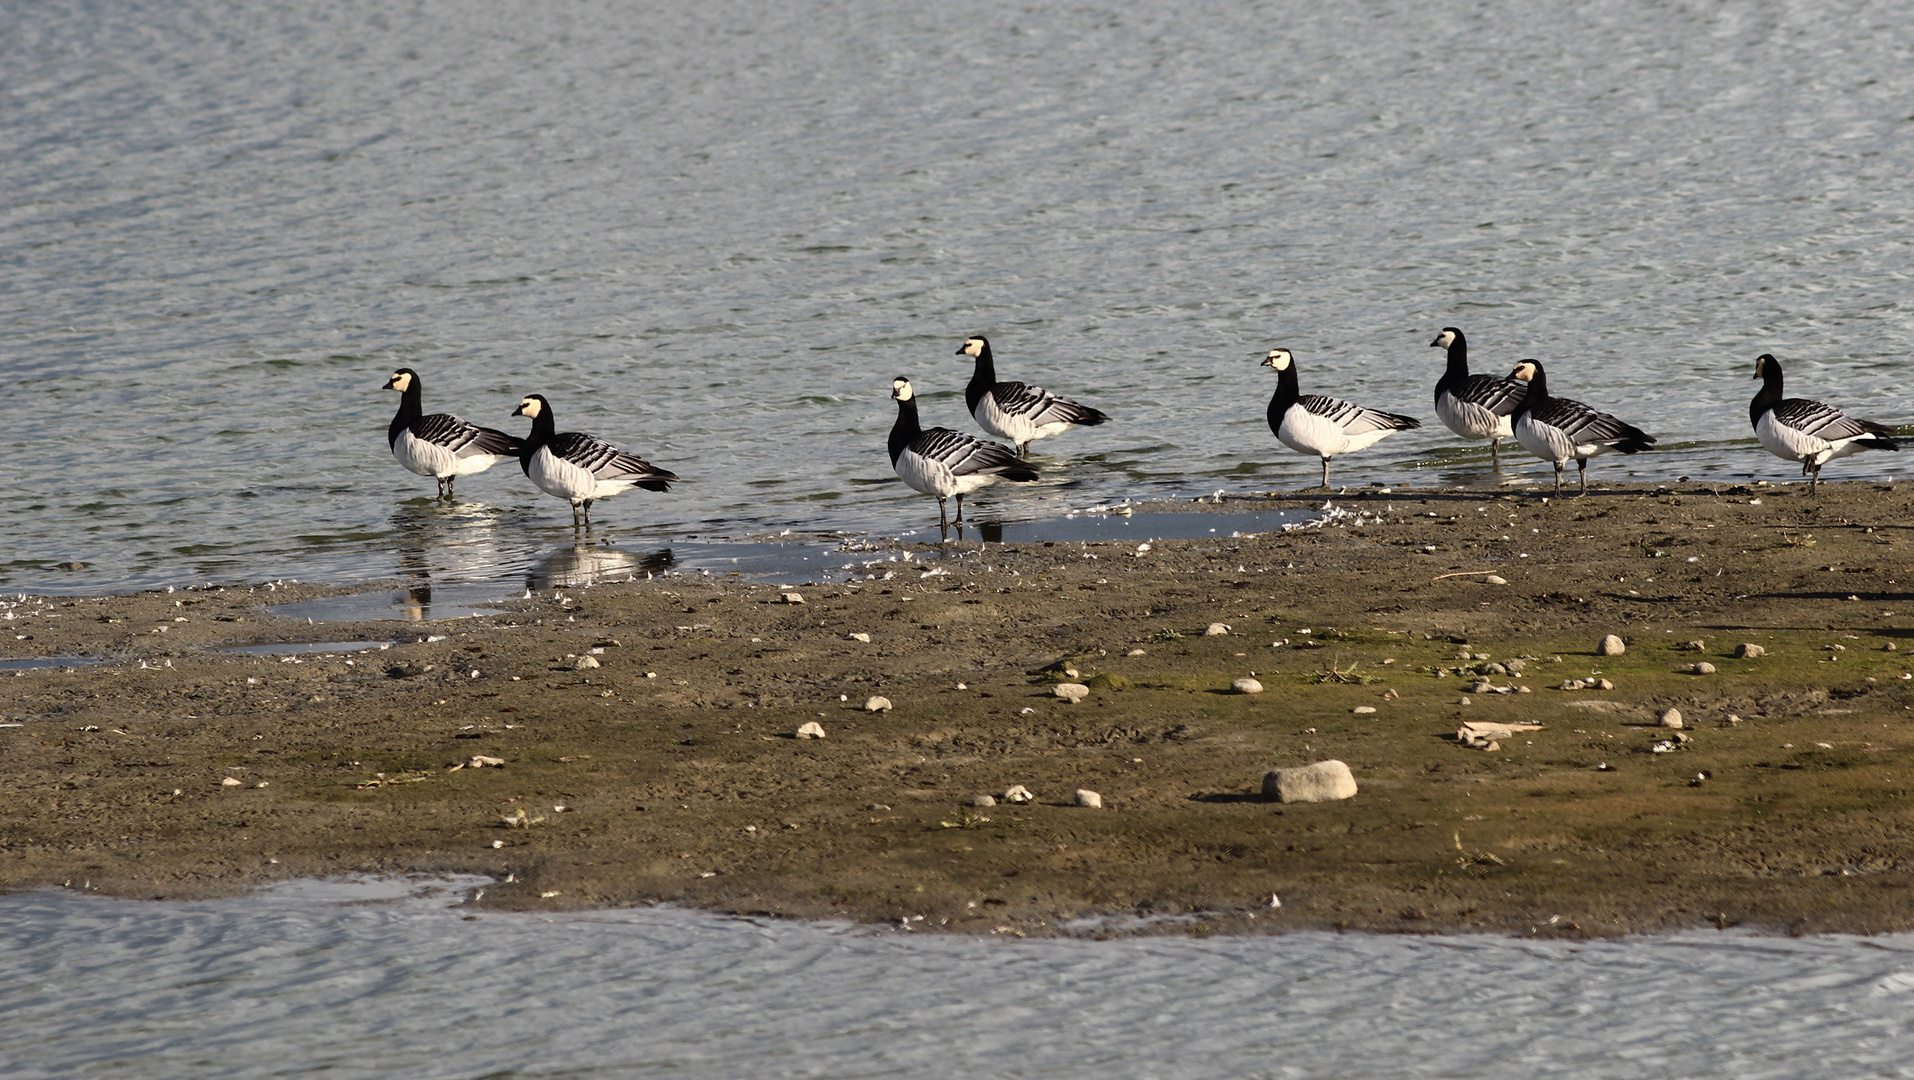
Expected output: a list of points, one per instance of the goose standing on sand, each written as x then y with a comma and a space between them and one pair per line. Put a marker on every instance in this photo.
941, 462
1806, 431
1018, 411
1557, 429
578, 468
1324, 426
1475, 406
441, 445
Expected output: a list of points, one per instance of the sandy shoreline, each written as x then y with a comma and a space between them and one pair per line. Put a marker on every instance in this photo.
681, 779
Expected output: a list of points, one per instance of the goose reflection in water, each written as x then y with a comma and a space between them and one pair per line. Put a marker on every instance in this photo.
589, 564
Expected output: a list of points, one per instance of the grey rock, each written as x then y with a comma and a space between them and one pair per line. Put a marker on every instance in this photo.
1086, 797
1611, 646
1323, 781
1748, 650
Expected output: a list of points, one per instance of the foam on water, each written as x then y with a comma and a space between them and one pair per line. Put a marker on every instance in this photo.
386, 978
714, 232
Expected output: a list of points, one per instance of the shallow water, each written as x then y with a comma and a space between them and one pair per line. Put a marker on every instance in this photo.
713, 233
383, 979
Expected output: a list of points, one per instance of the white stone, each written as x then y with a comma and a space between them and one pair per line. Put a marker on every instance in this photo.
1136, 652
232, 781
1671, 718
878, 704
793, 598
1071, 692
1246, 686
1019, 794
479, 761
1086, 797
1748, 650
810, 729
1216, 629
585, 663
1702, 668
1323, 781
1611, 646
865, 638
983, 800
1495, 579
1604, 684
1363, 710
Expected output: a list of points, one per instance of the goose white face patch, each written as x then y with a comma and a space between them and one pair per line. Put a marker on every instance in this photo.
900, 390
1525, 371
1445, 339
400, 381
1278, 359
973, 346
528, 407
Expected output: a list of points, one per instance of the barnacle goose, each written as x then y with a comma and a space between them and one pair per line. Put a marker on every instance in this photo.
941, 462
1557, 429
440, 445
1474, 406
576, 467
1806, 431
1018, 411
1324, 426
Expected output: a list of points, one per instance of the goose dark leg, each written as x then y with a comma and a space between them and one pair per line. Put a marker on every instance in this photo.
450, 483
1558, 479
574, 515
1325, 474
959, 519
1581, 471
1814, 480
943, 516
1495, 454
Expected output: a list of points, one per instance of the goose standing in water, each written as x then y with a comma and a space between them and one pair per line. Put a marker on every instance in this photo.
1558, 429
1018, 411
941, 462
441, 445
1809, 432
1475, 406
1324, 426
577, 467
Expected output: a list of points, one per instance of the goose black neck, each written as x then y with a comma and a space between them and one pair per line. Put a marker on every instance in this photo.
411, 407
906, 429
1287, 391
543, 428
1770, 393
981, 380
1458, 369
1537, 393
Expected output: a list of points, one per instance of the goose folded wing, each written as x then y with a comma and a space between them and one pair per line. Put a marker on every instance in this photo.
1583, 424
1825, 421
606, 462
1498, 395
1038, 405
962, 454
463, 437
1354, 419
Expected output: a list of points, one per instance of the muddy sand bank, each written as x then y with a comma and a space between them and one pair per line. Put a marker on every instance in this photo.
676, 763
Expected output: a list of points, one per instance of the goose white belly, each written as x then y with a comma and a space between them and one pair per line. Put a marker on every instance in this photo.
556, 476
1793, 444
429, 458
1551, 443
1017, 428
932, 477
1310, 433
1472, 421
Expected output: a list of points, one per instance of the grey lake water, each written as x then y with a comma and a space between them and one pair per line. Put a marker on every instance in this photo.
713, 233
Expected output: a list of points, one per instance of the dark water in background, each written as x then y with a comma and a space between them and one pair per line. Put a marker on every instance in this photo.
713, 233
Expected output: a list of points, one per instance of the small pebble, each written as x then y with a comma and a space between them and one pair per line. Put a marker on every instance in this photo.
1019, 794
878, 704
1671, 718
1611, 646
1246, 686
865, 638
1216, 629
1463, 701
1135, 652
793, 598
1363, 710
810, 729
1732, 719
585, 663
1071, 692
1694, 646
1086, 797
1495, 579
1604, 684
232, 781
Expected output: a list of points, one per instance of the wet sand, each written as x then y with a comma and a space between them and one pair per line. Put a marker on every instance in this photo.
681, 779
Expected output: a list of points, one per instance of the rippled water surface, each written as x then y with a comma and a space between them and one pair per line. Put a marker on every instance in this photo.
714, 232
373, 979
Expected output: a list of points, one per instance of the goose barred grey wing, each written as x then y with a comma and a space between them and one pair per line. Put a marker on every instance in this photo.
1824, 421
964, 455
462, 437
606, 462
1583, 424
1040, 406
1354, 419
1499, 395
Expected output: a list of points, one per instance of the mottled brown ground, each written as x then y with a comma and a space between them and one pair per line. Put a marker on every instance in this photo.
681, 780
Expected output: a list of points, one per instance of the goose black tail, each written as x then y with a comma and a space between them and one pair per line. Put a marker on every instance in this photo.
1878, 443
1637, 441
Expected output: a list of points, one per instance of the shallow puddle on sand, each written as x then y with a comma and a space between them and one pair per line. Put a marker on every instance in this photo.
31, 663
301, 648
